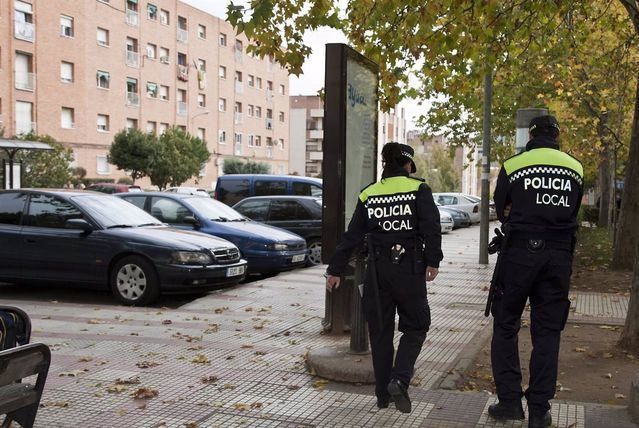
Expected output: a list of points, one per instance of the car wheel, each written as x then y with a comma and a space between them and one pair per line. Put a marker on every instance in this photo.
314, 252
134, 281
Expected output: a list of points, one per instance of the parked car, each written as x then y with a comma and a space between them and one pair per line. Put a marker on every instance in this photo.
197, 191
266, 248
111, 188
460, 218
446, 222
232, 188
299, 214
460, 202
492, 212
101, 241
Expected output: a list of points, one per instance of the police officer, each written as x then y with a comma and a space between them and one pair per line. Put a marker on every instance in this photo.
537, 198
402, 222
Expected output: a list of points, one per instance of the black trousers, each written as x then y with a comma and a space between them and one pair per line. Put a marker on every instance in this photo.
544, 278
401, 289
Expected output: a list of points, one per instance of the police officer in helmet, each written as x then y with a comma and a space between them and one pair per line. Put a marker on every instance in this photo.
537, 198
402, 223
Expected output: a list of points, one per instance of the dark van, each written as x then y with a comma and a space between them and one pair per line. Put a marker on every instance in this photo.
232, 188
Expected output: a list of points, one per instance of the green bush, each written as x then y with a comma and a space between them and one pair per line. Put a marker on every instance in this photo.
589, 214
125, 180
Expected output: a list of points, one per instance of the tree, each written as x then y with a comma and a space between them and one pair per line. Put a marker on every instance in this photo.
438, 169
237, 166
132, 151
176, 157
45, 168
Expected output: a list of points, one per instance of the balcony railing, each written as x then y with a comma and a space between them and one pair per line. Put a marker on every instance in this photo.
238, 55
25, 81
132, 59
269, 123
317, 134
183, 73
132, 18
25, 127
132, 99
182, 108
269, 95
182, 35
238, 117
239, 87
24, 31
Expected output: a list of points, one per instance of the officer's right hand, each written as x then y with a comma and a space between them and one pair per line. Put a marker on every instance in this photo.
332, 282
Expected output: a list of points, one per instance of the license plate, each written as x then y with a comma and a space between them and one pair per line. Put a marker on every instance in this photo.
235, 271
299, 258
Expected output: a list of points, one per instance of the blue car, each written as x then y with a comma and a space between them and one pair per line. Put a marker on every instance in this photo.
267, 249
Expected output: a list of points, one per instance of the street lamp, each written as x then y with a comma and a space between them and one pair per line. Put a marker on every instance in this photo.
199, 114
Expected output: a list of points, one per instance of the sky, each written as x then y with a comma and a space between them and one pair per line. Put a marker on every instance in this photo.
312, 79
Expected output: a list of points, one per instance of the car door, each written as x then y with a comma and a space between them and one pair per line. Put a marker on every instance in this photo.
53, 252
170, 211
12, 205
285, 213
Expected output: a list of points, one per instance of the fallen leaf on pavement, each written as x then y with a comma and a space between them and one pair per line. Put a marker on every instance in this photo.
73, 373
607, 355
147, 364
293, 387
212, 328
620, 396
209, 379
201, 359
578, 349
167, 322
61, 403
94, 322
608, 375
85, 359
144, 393
130, 381
116, 389
241, 406
320, 384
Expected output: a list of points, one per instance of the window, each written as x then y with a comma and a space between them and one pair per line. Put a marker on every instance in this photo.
11, 207
221, 137
49, 211
164, 17
102, 37
164, 92
163, 128
201, 134
238, 76
164, 55
251, 80
269, 142
131, 123
258, 112
255, 210
249, 110
258, 82
151, 127
270, 187
269, 85
258, 141
287, 211
103, 79
103, 123
138, 201
151, 51
23, 20
281, 116
201, 64
222, 104
306, 189
103, 166
181, 95
201, 100
66, 118
66, 26
181, 59
222, 72
233, 191
152, 12
280, 143
201, 31
238, 137
24, 117
169, 211
152, 89
269, 113
238, 45
24, 76
282, 90
66, 72
222, 39
238, 107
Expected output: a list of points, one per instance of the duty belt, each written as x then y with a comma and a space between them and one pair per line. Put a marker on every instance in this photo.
536, 245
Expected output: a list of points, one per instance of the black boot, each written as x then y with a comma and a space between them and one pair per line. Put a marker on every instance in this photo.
507, 410
399, 395
382, 402
537, 420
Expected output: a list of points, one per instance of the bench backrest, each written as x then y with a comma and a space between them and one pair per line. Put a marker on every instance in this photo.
24, 361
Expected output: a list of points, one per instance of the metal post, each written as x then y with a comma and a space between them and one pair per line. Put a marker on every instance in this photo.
485, 175
524, 116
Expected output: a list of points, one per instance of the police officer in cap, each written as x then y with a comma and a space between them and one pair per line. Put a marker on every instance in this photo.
402, 222
537, 198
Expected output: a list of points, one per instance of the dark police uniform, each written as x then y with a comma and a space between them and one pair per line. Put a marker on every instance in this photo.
544, 188
396, 210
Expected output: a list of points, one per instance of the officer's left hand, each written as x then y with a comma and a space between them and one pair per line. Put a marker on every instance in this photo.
431, 273
332, 282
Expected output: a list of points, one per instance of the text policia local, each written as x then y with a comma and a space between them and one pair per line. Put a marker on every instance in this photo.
548, 183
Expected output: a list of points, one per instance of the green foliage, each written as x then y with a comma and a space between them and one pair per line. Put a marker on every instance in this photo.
125, 180
438, 169
132, 151
176, 157
45, 168
237, 166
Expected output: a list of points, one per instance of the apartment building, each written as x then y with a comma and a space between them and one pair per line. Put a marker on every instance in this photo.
307, 133
81, 71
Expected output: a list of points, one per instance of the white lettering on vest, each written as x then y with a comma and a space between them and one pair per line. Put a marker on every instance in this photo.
556, 200
396, 225
392, 211
549, 183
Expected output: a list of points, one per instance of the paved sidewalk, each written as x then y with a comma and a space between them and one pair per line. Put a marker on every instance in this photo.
236, 358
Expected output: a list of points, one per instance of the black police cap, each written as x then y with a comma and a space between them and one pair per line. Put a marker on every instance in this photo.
543, 122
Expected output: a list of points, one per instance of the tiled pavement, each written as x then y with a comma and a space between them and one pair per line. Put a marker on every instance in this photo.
236, 358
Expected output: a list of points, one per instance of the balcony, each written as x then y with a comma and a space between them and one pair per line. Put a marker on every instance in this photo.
269, 95
238, 56
269, 152
25, 81
316, 156
25, 127
317, 112
269, 124
238, 117
132, 18
182, 35
317, 134
239, 87
183, 73
182, 108
132, 99
132, 59
24, 31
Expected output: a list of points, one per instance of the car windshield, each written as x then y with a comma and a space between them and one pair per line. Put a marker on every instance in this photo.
111, 211
214, 210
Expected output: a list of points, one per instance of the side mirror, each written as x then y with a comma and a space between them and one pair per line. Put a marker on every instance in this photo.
189, 219
78, 224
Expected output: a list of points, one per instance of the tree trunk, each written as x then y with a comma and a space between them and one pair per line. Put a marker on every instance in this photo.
604, 189
627, 230
630, 334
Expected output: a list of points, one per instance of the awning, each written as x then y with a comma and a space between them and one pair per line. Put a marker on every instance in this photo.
23, 145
